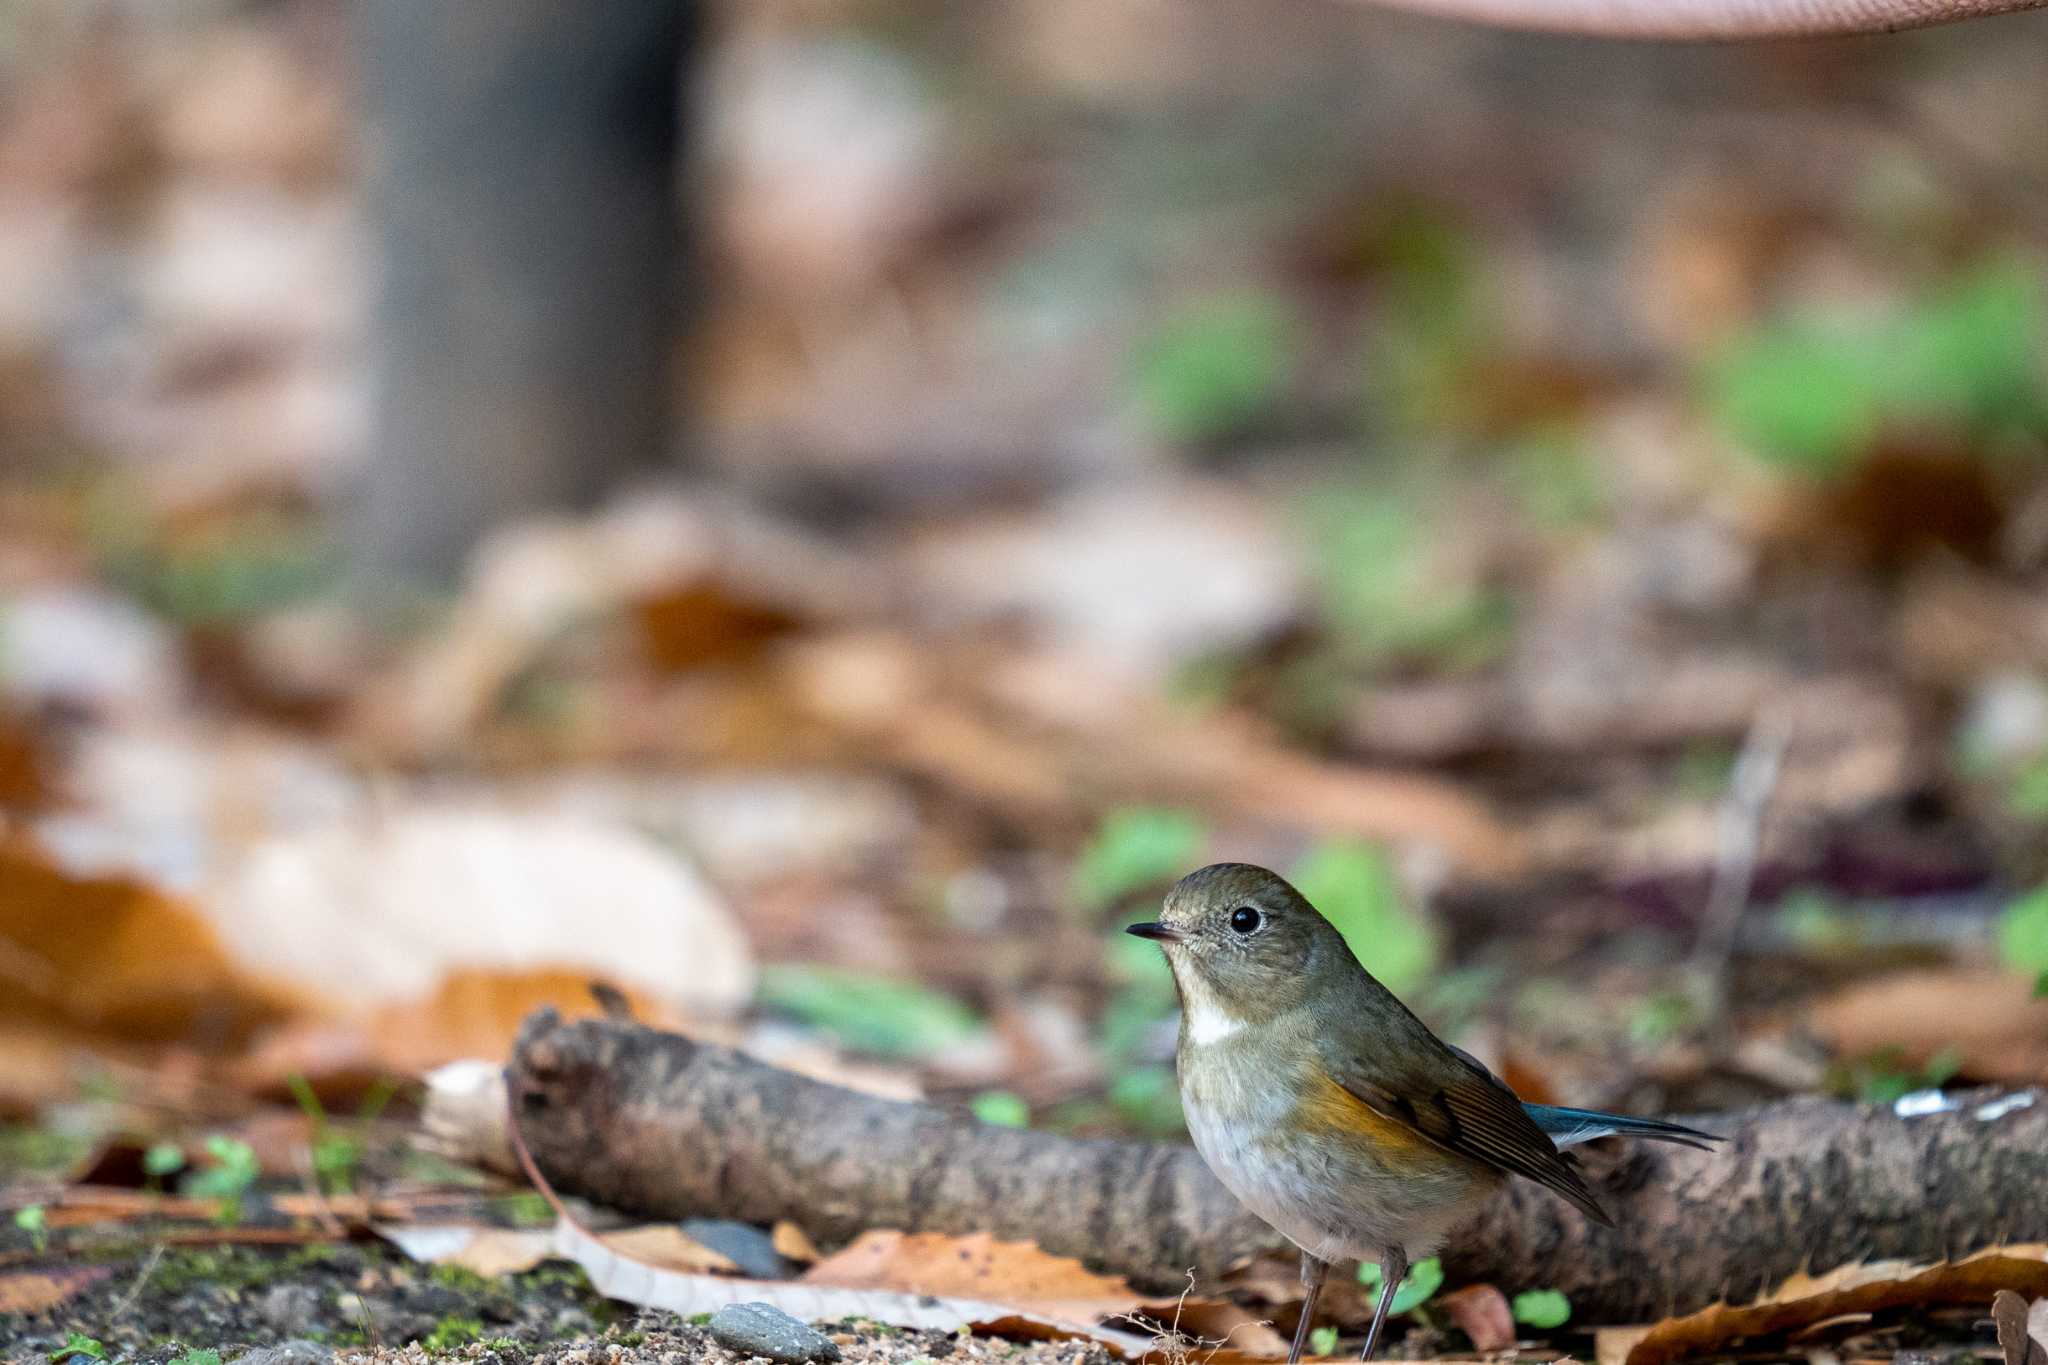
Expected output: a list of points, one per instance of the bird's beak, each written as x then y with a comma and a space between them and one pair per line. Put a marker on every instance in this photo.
1163, 933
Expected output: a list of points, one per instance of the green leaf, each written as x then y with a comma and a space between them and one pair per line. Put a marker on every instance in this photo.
162, 1159
1387, 589
1802, 395
2041, 986
79, 1344
2023, 933
2027, 797
198, 1358
32, 1220
1417, 1287
1148, 1098
1216, 368
1136, 847
1542, 1308
866, 1013
1001, 1108
1322, 1341
1353, 884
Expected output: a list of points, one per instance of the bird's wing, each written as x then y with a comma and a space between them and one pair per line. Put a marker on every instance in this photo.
1447, 1097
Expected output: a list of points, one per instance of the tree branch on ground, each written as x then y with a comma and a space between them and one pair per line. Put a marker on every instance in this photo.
658, 1124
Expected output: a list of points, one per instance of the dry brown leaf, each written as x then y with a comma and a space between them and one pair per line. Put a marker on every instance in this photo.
1991, 1018
24, 769
1611, 1345
472, 1012
2009, 1314
115, 957
668, 1246
974, 1266
38, 1291
1482, 1313
1869, 1288
677, 1291
792, 1243
489, 1252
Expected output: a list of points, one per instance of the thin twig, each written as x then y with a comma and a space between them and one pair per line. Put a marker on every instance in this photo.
1739, 836
127, 1300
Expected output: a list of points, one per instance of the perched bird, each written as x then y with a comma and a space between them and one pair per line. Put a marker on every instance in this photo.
1328, 1108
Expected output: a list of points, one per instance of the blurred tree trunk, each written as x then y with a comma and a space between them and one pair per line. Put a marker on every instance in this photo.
525, 204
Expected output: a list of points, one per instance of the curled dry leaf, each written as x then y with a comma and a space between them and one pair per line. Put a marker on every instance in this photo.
1872, 1287
1483, 1314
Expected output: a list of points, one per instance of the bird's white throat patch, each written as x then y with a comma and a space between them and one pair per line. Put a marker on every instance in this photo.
1207, 1022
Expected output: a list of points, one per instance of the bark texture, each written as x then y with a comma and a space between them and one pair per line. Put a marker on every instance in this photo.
658, 1124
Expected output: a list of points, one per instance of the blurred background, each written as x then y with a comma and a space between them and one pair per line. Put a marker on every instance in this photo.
815, 513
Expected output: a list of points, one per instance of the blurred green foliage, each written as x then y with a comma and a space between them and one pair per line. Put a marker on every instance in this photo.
1433, 330
1555, 479
1385, 591
1147, 1098
35, 1221
1217, 367
1811, 394
1353, 884
1001, 1108
2023, 934
1813, 921
231, 1176
2027, 796
246, 565
867, 1013
1884, 1076
1543, 1309
1323, 1341
79, 1344
1417, 1287
1136, 847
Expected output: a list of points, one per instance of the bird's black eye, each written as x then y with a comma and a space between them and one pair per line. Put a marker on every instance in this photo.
1244, 919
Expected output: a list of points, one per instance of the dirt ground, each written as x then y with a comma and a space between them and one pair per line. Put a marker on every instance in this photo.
363, 1302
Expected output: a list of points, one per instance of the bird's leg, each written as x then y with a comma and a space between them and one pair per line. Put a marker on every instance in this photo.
1393, 1269
1314, 1269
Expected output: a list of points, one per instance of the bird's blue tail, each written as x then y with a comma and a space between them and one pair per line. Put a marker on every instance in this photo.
1569, 1127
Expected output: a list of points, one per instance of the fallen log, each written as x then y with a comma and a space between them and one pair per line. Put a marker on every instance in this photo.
659, 1124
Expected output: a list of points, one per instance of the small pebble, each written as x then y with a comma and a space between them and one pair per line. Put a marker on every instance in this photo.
296, 1352
761, 1329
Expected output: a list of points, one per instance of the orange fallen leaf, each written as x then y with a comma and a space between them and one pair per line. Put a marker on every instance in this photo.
668, 1246
792, 1243
472, 1012
1482, 1313
1867, 1288
489, 1252
1992, 1020
974, 1266
38, 1291
118, 958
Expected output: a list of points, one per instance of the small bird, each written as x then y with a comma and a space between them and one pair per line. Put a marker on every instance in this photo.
1328, 1108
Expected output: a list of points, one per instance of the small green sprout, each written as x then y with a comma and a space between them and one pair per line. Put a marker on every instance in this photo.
1542, 1308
